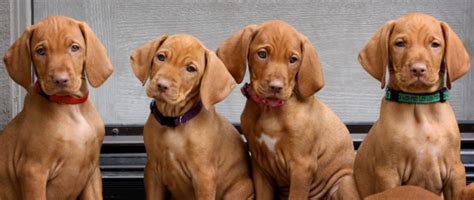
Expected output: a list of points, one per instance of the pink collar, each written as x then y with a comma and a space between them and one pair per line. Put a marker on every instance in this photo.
60, 99
260, 100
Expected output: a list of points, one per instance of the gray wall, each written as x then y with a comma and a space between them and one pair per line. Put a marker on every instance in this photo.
15, 15
5, 86
339, 29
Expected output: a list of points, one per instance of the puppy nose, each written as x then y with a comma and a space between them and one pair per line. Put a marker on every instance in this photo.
276, 86
163, 85
61, 79
418, 69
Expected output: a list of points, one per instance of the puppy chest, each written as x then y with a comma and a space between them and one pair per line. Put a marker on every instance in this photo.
429, 161
172, 160
267, 151
174, 170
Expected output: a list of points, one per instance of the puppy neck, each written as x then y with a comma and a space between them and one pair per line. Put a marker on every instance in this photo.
175, 110
78, 97
392, 84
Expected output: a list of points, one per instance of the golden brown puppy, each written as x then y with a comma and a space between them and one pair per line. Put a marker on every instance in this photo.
51, 149
406, 192
300, 149
416, 140
193, 152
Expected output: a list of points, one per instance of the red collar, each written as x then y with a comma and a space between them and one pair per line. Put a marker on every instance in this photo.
60, 99
260, 100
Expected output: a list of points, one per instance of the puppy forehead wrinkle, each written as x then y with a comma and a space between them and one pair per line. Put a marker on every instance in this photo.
417, 22
67, 35
184, 45
278, 41
418, 33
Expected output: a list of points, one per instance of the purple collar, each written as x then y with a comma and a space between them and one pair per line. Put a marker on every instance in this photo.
260, 100
175, 121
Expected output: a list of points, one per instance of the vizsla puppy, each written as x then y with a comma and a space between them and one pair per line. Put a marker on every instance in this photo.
193, 152
300, 149
416, 140
51, 149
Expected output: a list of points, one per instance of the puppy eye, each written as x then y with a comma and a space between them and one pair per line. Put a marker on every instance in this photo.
400, 44
191, 68
41, 51
293, 59
75, 48
262, 54
161, 57
435, 44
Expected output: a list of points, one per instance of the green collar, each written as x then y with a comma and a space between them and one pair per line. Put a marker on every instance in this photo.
402, 97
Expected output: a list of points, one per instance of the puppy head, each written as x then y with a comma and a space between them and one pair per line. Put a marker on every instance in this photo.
417, 49
62, 50
280, 60
179, 67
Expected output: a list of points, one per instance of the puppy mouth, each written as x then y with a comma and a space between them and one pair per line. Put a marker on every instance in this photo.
272, 96
166, 97
420, 82
70, 90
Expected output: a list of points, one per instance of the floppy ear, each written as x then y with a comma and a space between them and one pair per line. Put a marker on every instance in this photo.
97, 64
18, 59
216, 83
310, 75
142, 58
374, 57
456, 58
234, 51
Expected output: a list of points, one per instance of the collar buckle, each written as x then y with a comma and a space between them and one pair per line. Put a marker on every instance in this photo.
180, 119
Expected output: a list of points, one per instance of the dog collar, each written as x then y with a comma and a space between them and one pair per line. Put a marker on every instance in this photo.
60, 99
175, 121
260, 100
402, 97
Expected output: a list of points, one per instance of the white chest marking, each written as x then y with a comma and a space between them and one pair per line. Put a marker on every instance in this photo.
171, 155
268, 141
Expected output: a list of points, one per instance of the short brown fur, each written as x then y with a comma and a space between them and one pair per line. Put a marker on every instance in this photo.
204, 158
301, 150
51, 150
413, 144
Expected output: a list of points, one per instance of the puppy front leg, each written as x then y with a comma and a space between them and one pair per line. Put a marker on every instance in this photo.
33, 179
456, 183
263, 187
93, 189
300, 182
154, 189
204, 182
386, 178
347, 189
